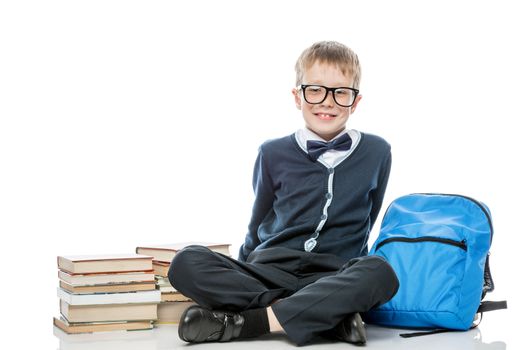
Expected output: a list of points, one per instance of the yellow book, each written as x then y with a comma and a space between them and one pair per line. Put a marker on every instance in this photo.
176, 296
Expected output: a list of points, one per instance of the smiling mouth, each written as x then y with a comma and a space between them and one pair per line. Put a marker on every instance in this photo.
325, 116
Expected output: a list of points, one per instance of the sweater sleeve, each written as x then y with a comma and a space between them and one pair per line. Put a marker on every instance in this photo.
264, 195
378, 193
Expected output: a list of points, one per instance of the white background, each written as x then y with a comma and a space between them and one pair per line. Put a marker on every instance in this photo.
132, 122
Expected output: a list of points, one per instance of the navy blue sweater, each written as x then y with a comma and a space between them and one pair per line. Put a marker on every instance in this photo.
295, 198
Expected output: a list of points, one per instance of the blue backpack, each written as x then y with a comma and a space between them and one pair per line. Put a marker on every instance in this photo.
438, 244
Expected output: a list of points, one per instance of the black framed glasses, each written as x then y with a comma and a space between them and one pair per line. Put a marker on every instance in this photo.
316, 94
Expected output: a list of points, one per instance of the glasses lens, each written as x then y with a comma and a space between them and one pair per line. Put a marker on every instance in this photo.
344, 97
316, 94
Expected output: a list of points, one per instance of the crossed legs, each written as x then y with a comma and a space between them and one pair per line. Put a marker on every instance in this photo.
304, 306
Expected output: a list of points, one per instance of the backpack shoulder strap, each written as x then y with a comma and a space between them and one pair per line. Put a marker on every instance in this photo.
486, 306
489, 286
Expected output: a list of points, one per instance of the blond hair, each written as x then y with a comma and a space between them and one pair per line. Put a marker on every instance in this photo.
330, 52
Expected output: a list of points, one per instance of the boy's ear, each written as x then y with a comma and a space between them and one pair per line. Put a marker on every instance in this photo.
298, 99
357, 100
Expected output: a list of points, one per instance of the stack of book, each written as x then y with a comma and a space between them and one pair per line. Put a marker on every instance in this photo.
173, 302
106, 293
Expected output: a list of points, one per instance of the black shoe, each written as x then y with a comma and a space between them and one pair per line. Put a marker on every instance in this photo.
199, 325
352, 330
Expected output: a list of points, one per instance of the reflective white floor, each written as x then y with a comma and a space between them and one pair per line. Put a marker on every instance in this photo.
166, 337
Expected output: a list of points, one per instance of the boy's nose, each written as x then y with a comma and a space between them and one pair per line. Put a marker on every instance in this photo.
329, 100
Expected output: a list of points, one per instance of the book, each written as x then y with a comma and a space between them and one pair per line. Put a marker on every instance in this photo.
109, 312
166, 252
90, 327
108, 288
105, 263
170, 312
128, 340
105, 278
161, 268
164, 285
166, 289
176, 296
151, 296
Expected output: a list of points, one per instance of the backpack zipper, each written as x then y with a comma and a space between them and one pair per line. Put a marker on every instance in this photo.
460, 244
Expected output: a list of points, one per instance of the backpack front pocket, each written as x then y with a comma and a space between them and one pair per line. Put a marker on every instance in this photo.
431, 270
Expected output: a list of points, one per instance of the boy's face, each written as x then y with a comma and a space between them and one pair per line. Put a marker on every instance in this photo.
326, 119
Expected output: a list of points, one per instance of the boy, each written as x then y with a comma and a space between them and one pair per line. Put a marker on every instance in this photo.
303, 267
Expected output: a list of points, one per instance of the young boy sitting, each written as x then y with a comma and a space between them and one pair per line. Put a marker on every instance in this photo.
303, 268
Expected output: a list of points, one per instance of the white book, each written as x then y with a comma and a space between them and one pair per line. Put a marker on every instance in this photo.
152, 296
113, 340
167, 289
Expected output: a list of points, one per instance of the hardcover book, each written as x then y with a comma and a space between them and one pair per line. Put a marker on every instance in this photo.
161, 268
105, 278
105, 263
89, 327
166, 252
151, 296
109, 312
170, 312
174, 296
109, 288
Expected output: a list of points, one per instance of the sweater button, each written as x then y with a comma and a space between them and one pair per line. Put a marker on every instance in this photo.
323, 217
329, 196
331, 170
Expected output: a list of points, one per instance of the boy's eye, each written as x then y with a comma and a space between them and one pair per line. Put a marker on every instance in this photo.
342, 92
314, 89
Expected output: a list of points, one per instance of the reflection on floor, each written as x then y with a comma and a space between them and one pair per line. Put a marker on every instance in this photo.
166, 337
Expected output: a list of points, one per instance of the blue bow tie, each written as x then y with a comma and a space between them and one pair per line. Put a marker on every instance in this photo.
316, 148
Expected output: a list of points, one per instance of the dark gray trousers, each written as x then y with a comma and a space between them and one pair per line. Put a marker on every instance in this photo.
309, 293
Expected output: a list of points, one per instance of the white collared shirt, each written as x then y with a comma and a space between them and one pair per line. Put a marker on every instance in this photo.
330, 158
